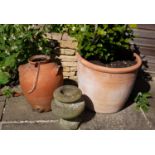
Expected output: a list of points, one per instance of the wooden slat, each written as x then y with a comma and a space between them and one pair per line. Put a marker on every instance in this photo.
144, 42
146, 26
151, 67
150, 59
147, 51
139, 33
144, 50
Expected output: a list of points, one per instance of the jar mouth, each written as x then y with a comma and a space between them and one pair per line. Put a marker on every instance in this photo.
39, 59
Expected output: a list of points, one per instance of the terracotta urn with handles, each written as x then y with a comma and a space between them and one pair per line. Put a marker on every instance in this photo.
38, 80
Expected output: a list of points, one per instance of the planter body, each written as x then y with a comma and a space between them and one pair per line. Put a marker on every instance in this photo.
106, 90
49, 78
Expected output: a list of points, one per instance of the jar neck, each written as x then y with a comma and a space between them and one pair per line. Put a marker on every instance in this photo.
39, 59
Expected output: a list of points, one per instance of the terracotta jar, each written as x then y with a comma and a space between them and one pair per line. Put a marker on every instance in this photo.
106, 90
38, 79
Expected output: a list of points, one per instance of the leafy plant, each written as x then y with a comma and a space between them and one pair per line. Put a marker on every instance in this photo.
142, 101
17, 44
4, 77
7, 91
104, 42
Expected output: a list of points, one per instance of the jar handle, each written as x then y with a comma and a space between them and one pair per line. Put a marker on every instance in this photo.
58, 69
37, 64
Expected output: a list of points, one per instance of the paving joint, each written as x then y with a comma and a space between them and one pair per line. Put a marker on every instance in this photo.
1, 118
149, 123
30, 122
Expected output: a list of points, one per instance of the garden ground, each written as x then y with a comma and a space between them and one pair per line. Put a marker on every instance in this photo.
16, 114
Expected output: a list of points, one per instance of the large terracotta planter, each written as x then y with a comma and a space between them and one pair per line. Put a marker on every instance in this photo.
106, 90
38, 79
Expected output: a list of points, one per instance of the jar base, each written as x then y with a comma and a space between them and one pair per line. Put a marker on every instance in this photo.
40, 109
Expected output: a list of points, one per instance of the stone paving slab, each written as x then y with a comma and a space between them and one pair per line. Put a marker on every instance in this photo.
17, 109
2, 102
127, 119
31, 126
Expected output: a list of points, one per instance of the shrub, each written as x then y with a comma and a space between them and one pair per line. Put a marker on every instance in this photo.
104, 42
17, 44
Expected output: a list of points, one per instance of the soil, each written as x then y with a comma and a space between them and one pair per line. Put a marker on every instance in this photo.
115, 64
122, 59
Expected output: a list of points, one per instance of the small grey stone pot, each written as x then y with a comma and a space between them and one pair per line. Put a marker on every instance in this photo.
68, 105
67, 94
68, 124
68, 111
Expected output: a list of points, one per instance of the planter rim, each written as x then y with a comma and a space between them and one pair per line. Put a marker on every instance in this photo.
108, 69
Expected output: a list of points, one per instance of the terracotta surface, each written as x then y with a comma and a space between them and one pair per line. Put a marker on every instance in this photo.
106, 89
38, 84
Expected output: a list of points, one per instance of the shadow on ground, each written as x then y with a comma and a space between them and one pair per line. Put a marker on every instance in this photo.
142, 81
87, 115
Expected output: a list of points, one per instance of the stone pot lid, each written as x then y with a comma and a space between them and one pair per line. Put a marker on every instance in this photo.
67, 94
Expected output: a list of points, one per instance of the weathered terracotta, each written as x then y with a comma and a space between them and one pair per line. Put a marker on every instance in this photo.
38, 79
106, 90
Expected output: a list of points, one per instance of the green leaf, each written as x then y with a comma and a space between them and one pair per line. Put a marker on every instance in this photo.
4, 77
146, 94
142, 101
101, 32
10, 61
134, 26
7, 91
99, 45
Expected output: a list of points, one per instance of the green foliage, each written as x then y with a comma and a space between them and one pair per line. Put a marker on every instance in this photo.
101, 41
142, 101
59, 28
17, 44
7, 91
4, 77
133, 26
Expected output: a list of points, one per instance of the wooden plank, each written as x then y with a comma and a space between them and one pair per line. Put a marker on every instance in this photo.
150, 59
151, 67
146, 26
144, 42
140, 33
145, 50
